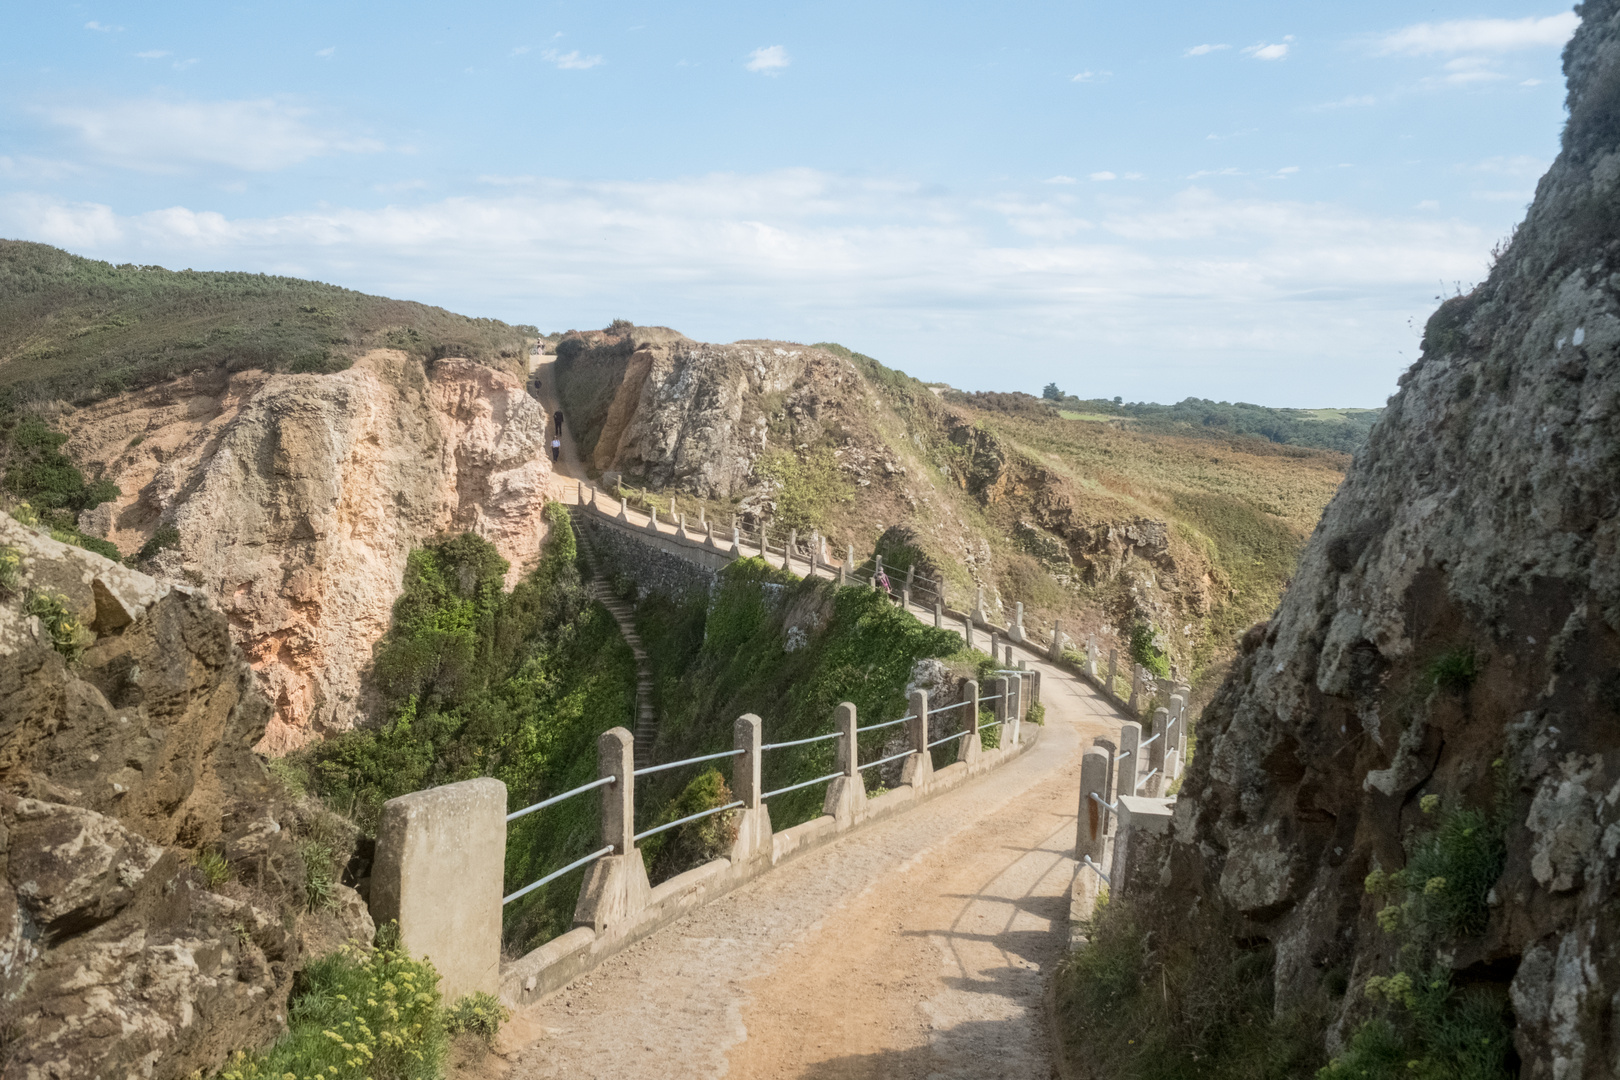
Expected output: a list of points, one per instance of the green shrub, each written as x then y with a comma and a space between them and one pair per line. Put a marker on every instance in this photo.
10, 569
697, 842
165, 536
1145, 650
1036, 714
214, 868
320, 876
68, 635
477, 1014
357, 1015
805, 490
1453, 671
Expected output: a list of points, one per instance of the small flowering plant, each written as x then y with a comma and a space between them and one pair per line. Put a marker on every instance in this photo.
362, 1014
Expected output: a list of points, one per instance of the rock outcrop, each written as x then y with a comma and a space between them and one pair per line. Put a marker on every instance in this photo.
298, 497
1454, 632
119, 772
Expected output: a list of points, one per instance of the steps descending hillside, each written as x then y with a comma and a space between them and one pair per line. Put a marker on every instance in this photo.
601, 590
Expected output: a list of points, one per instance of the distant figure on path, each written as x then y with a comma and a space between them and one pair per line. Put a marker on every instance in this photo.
556, 448
556, 419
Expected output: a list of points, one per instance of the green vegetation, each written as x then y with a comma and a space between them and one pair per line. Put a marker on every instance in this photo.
1327, 429
165, 536
478, 1014
79, 330
51, 488
788, 650
362, 1015
214, 868
693, 844
1427, 1027
1137, 1010
69, 637
478, 681
805, 489
1453, 671
1146, 651
10, 569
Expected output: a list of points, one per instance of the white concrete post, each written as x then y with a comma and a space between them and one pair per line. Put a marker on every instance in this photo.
736, 540
967, 630
1034, 687
682, 528
877, 568
1156, 754
764, 551
652, 519
1006, 652
441, 856
624, 509
615, 887
1091, 834
1108, 788
1178, 709
979, 615
1113, 665
708, 533
998, 690
1136, 690
971, 748
1013, 728
846, 795
911, 576
1016, 632
1056, 652
918, 769
815, 551
754, 819
1130, 748
995, 647
787, 552
1091, 657
939, 615
672, 507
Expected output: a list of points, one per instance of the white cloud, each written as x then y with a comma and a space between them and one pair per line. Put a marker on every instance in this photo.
1103, 176
520, 50
571, 61
101, 27
1275, 300
1352, 101
153, 54
1092, 76
328, 51
1201, 173
1480, 35
1285, 172
1427, 204
1531, 82
1058, 180
166, 136
768, 60
1274, 51
1204, 50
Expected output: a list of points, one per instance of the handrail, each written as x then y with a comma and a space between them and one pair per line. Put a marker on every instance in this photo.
1122, 755
1149, 742
1098, 870
948, 738
991, 724
555, 874
886, 723
1111, 805
801, 742
543, 803
885, 761
992, 697
796, 787
1144, 780
947, 708
684, 820
688, 761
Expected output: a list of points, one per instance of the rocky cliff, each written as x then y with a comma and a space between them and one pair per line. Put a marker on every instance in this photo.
295, 499
152, 885
1446, 666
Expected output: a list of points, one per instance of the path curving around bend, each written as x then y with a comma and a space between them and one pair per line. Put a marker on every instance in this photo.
917, 946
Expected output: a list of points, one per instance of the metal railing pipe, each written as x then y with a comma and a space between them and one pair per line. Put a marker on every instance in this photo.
1146, 778
803, 784
886, 723
687, 761
948, 708
689, 817
801, 742
555, 874
543, 803
885, 761
948, 738
1111, 805
1098, 871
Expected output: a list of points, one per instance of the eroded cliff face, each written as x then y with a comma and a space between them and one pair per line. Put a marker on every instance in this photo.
118, 770
297, 499
1453, 631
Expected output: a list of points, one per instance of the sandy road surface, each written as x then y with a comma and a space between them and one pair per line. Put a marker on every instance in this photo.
915, 947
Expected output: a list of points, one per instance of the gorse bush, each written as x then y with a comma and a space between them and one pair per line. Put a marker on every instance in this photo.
1145, 650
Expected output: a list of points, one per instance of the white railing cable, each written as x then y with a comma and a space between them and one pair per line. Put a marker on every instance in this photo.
1098, 871
682, 821
1145, 779
992, 697
1122, 755
801, 742
688, 761
885, 761
886, 723
1104, 802
555, 874
947, 708
543, 803
948, 738
1150, 742
806, 783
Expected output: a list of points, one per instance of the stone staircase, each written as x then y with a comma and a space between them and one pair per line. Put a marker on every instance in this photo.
601, 590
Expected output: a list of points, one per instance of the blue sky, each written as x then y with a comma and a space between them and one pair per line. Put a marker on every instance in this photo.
1255, 201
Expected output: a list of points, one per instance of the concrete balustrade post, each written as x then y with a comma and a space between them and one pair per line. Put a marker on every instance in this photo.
652, 519
624, 509
1113, 665
877, 571
967, 630
905, 596
736, 541
708, 533
939, 614
1091, 833
1056, 651
672, 507
441, 856
1013, 728
754, 819
682, 527
998, 690
579, 493
1091, 657
764, 549
815, 551
1108, 788
918, 769
1136, 690
787, 552
1156, 753
615, 887
970, 747
1006, 656
1016, 632
995, 647
1130, 748
978, 612
1034, 687
846, 795
1178, 706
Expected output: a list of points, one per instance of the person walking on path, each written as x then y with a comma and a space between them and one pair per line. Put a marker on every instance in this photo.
556, 449
556, 420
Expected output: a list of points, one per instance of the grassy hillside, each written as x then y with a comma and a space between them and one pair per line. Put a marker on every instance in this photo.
77, 330
1343, 430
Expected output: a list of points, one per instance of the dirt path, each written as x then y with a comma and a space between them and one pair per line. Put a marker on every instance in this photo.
916, 947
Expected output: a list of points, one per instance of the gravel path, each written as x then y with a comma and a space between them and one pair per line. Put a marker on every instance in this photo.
915, 947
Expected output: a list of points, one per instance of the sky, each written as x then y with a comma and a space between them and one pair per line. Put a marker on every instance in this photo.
1248, 202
